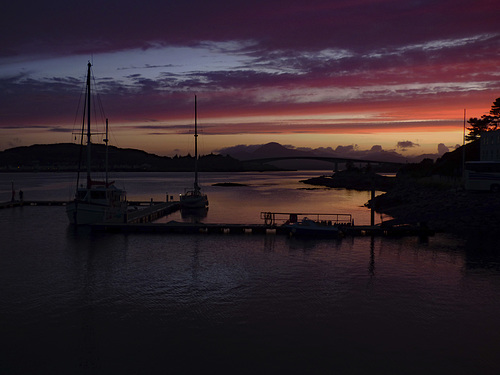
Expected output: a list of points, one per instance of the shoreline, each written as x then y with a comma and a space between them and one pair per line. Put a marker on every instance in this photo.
441, 208
353, 180
454, 211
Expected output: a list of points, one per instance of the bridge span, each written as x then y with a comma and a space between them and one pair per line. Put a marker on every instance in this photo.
333, 160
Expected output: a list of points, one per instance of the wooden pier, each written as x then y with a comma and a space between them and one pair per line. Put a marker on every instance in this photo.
18, 203
175, 227
153, 211
139, 212
189, 228
141, 216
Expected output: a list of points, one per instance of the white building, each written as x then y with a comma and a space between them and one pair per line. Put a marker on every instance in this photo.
490, 146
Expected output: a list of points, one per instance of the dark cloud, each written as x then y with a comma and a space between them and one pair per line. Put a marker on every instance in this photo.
147, 66
54, 100
60, 130
361, 25
364, 54
404, 145
165, 129
346, 149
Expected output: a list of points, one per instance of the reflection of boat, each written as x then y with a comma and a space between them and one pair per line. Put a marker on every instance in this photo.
194, 214
96, 201
308, 227
194, 198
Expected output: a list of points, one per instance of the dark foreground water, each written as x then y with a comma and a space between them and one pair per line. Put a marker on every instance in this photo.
76, 302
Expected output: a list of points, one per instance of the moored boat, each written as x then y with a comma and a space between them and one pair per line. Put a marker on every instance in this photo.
194, 198
308, 227
95, 201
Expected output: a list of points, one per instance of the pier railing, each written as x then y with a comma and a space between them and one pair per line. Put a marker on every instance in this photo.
280, 218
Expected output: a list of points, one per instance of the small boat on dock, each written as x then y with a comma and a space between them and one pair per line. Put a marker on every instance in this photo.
301, 224
308, 227
95, 201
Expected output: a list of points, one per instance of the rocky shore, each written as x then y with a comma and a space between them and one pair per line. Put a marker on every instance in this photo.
353, 179
429, 193
441, 209
416, 201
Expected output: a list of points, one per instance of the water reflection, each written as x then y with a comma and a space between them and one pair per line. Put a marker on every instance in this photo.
371, 266
482, 252
269, 243
195, 263
117, 302
194, 215
308, 245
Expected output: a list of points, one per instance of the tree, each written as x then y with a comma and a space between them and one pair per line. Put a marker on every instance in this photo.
495, 113
478, 125
485, 123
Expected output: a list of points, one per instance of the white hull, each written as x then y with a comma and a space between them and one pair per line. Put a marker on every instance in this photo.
84, 213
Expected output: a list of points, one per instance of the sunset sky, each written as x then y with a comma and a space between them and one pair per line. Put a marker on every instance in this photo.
304, 73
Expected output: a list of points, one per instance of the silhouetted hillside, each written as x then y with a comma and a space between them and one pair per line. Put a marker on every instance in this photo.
450, 164
66, 156
274, 149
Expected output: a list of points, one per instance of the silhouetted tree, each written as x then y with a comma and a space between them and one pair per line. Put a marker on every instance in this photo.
485, 123
495, 113
477, 125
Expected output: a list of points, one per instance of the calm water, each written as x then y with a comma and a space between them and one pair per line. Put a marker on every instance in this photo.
75, 302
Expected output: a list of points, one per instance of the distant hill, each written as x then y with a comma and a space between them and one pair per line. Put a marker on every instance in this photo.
66, 156
273, 149
268, 150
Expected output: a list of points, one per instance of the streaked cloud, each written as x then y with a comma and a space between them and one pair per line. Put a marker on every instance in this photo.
351, 66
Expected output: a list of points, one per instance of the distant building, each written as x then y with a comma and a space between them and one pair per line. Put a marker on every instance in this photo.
490, 146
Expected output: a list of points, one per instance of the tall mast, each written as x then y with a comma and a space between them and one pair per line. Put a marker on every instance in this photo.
106, 162
88, 127
196, 187
463, 149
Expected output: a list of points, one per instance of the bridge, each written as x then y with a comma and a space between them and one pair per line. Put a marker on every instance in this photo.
333, 160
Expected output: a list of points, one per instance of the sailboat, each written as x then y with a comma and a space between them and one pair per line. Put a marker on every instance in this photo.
95, 201
194, 199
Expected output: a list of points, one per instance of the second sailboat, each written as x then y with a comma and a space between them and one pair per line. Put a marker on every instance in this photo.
194, 198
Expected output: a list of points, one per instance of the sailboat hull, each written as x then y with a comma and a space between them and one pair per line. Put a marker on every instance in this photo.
194, 201
85, 213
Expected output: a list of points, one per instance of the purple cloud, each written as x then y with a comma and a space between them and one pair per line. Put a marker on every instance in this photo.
386, 61
404, 145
